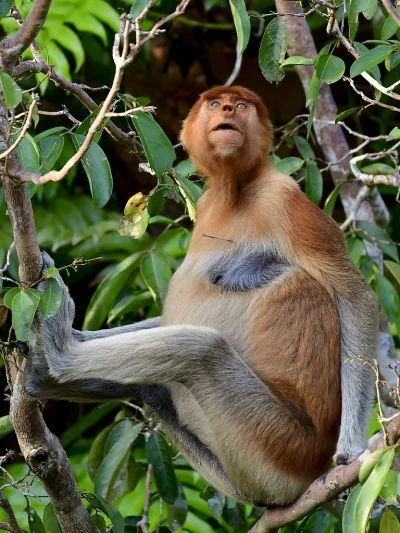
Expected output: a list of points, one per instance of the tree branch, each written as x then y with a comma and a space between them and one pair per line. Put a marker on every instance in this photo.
392, 10
12, 47
12, 524
325, 488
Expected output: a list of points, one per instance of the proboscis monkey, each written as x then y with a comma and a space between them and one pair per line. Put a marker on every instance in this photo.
254, 365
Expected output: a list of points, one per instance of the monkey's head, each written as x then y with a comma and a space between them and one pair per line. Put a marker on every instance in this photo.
228, 127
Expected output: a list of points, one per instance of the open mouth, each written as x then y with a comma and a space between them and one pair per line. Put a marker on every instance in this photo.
225, 126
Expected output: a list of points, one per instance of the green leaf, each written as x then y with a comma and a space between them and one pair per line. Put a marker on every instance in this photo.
185, 168
12, 92
373, 233
362, 49
156, 202
314, 182
289, 165
51, 299
389, 522
50, 149
104, 12
51, 272
319, 522
394, 134
68, 39
370, 491
370, 59
116, 457
10, 295
304, 147
388, 297
178, 511
378, 168
156, 273
85, 124
312, 98
47, 133
35, 524
370, 462
134, 224
100, 523
329, 68
50, 521
98, 171
96, 453
191, 193
390, 27
28, 153
108, 290
331, 200
84, 21
273, 49
23, 311
6, 426
5, 6
158, 149
159, 456
98, 502
130, 305
348, 519
389, 492
242, 23
366, 7
347, 113
356, 249
297, 60
394, 269
137, 8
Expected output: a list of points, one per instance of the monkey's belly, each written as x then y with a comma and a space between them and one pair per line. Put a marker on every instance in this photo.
194, 303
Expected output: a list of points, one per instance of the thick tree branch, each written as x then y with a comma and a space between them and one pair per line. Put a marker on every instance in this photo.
12, 47
325, 488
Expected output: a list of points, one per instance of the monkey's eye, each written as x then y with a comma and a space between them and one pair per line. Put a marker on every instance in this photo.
241, 105
214, 104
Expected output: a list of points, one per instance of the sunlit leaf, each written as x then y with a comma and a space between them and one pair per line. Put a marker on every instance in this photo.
6, 426
242, 22
394, 134
394, 269
370, 491
370, 59
331, 200
348, 519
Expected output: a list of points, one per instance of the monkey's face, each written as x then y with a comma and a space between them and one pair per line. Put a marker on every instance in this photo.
228, 126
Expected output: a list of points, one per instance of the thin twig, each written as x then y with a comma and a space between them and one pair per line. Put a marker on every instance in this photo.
8, 259
24, 129
236, 68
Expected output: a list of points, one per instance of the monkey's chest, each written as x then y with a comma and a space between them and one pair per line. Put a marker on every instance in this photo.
192, 299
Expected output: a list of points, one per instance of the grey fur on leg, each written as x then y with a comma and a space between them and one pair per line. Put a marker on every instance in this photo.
359, 331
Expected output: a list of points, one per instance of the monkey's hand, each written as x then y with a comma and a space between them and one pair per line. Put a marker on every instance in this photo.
53, 333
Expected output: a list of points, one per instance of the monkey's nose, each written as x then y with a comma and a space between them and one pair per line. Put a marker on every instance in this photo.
227, 108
